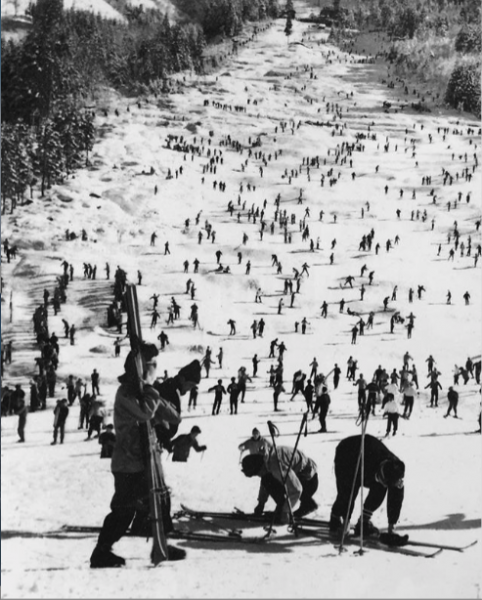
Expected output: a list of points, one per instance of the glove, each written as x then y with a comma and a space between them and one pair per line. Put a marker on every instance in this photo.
258, 511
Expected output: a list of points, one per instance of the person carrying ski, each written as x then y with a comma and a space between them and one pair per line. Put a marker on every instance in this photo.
132, 407
383, 475
301, 481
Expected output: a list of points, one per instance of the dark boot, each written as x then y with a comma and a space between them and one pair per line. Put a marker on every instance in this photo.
336, 524
176, 553
369, 530
305, 509
103, 558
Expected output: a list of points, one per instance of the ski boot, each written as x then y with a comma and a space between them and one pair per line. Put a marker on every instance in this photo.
369, 530
335, 527
305, 509
175, 553
103, 558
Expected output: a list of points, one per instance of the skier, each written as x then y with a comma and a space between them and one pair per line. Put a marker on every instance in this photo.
243, 378
255, 360
233, 391
383, 475
256, 444
232, 325
94, 378
434, 386
182, 444
22, 412
392, 412
107, 440
322, 405
278, 388
453, 398
61, 412
301, 481
314, 368
336, 376
132, 407
408, 400
219, 392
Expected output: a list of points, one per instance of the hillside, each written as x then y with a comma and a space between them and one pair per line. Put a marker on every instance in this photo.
284, 101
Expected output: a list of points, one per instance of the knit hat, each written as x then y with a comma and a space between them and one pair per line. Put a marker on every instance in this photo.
191, 372
195, 429
148, 352
393, 470
252, 464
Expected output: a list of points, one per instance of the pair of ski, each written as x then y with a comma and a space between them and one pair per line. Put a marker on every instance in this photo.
318, 528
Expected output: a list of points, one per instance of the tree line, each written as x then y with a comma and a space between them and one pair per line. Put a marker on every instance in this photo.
49, 76
438, 30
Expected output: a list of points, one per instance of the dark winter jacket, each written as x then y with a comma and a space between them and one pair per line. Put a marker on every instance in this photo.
346, 458
107, 439
182, 447
61, 412
128, 455
322, 402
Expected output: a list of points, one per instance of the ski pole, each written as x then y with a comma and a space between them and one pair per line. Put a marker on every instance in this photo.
271, 427
346, 523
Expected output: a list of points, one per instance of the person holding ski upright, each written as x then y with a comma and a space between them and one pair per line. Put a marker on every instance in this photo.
131, 408
301, 481
383, 476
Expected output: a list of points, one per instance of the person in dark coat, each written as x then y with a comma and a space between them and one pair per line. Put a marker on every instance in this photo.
219, 392
233, 390
434, 386
61, 412
132, 408
22, 412
107, 439
336, 375
182, 444
308, 393
383, 476
373, 390
453, 398
321, 407
171, 389
95, 378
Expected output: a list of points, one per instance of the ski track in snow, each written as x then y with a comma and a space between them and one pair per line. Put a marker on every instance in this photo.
44, 487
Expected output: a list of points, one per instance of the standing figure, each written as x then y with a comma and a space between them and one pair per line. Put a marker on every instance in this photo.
219, 392
61, 412
132, 408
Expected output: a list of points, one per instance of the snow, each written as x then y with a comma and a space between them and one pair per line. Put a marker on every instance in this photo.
45, 487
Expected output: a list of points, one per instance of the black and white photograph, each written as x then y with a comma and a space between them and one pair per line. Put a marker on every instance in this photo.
241, 299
